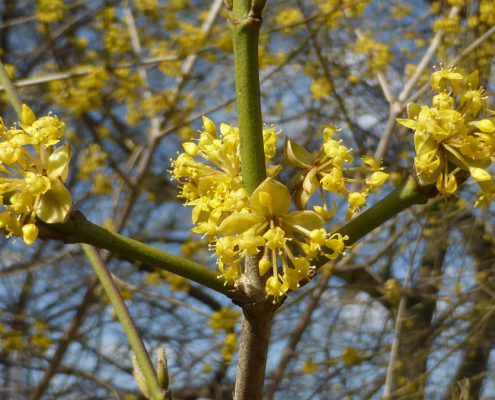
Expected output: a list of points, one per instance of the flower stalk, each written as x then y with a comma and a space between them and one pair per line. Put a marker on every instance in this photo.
79, 230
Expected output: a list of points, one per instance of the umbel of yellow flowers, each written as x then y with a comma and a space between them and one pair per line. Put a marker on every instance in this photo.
453, 135
262, 224
32, 174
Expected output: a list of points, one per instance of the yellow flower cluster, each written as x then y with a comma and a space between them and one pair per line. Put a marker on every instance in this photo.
262, 225
147, 6
287, 17
454, 135
48, 11
229, 347
226, 319
32, 174
83, 93
327, 172
213, 187
320, 88
177, 283
448, 25
379, 54
487, 12
33, 339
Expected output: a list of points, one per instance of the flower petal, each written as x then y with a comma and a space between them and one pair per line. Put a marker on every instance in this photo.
301, 198
307, 219
480, 174
54, 205
237, 223
413, 110
297, 155
408, 123
311, 182
58, 163
280, 198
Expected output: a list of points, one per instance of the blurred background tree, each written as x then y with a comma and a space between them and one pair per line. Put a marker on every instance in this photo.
407, 314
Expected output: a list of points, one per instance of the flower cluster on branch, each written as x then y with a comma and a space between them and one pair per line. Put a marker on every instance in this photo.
263, 224
454, 135
32, 174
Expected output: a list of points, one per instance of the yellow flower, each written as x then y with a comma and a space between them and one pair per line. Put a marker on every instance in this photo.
209, 174
440, 79
448, 137
225, 318
379, 53
274, 232
350, 356
229, 347
326, 171
32, 181
48, 11
309, 367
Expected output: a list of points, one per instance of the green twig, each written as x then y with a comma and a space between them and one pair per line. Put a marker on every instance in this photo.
130, 329
406, 195
79, 230
10, 90
245, 26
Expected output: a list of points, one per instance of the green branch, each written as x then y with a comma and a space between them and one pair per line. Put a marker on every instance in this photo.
245, 25
130, 329
79, 230
406, 195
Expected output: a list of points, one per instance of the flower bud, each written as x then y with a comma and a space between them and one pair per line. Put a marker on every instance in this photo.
28, 117
29, 233
209, 126
190, 148
485, 125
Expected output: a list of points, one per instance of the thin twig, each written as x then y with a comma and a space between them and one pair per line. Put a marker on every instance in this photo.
81, 71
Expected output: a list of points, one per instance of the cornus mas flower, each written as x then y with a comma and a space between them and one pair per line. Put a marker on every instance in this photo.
328, 171
453, 135
32, 175
261, 225
213, 185
285, 240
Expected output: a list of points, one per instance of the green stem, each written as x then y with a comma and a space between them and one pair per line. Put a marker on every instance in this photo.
245, 26
130, 329
10, 91
407, 194
80, 230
